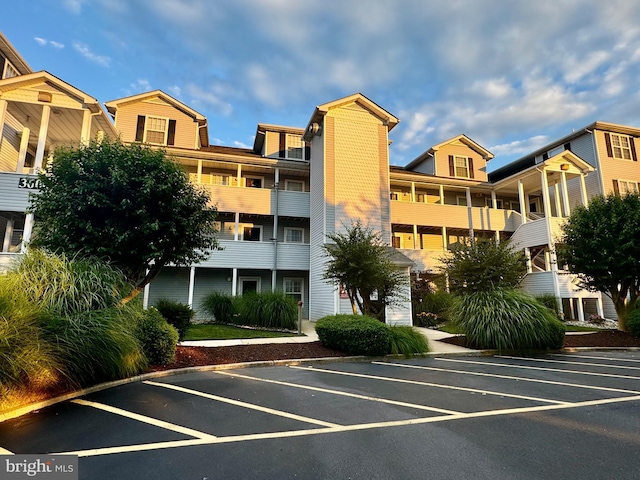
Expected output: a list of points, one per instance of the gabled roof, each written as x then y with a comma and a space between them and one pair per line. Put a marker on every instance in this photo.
358, 98
13, 56
263, 128
13, 83
113, 105
476, 147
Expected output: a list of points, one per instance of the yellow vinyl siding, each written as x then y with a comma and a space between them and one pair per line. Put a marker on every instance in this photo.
272, 144
460, 149
616, 168
127, 120
29, 94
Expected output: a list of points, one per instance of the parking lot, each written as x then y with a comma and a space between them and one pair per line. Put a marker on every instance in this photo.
502, 417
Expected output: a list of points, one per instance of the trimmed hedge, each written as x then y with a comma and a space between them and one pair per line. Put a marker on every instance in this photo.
177, 314
354, 334
633, 322
158, 338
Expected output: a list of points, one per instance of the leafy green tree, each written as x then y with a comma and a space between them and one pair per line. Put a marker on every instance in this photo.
361, 263
129, 205
483, 264
601, 245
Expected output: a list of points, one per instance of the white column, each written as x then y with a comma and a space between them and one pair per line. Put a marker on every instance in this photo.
413, 192
497, 235
145, 296
24, 145
239, 177
85, 136
556, 192
521, 199
192, 282
199, 174
26, 234
527, 254
545, 194
416, 244
547, 260
42, 137
470, 213
3, 114
599, 306
234, 282
583, 193
445, 243
274, 280
494, 200
572, 308
441, 194
237, 227
8, 233
565, 194
580, 311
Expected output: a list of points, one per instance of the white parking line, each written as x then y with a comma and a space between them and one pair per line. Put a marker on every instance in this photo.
238, 403
585, 364
345, 394
511, 377
428, 384
343, 428
616, 359
143, 418
560, 370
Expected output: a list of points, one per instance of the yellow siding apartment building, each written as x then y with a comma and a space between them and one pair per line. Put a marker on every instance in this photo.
278, 200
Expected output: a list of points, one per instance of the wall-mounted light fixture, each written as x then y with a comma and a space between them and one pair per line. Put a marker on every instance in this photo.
564, 167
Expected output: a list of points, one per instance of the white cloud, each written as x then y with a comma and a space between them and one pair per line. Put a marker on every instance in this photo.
74, 6
520, 147
40, 41
84, 50
174, 91
237, 143
44, 42
201, 96
55, 44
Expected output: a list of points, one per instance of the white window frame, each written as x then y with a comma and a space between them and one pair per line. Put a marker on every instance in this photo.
147, 129
288, 182
289, 229
241, 281
293, 279
244, 225
455, 166
253, 177
622, 149
461, 200
627, 184
288, 148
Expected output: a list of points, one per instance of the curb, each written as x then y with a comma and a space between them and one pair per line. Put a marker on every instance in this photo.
19, 411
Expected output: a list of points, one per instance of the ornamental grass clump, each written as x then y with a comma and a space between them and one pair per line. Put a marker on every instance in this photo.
504, 319
274, 310
220, 306
407, 341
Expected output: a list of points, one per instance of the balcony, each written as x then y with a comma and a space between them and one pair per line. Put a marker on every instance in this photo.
454, 216
258, 255
15, 188
259, 201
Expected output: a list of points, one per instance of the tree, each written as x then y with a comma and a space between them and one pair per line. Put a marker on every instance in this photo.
361, 263
129, 205
483, 264
601, 246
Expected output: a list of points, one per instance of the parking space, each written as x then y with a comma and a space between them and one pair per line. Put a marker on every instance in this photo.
353, 418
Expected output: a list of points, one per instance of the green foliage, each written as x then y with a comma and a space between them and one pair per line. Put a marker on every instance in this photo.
267, 310
221, 306
129, 205
550, 301
177, 314
157, 337
633, 322
361, 263
600, 245
354, 334
483, 265
407, 341
429, 306
506, 320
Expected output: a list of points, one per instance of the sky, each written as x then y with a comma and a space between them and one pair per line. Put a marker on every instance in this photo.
512, 75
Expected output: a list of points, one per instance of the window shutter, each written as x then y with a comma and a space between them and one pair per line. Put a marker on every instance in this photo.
307, 151
632, 143
171, 135
470, 160
567, 146
283, 145
140, 128
607, 141
616, 188
452, 167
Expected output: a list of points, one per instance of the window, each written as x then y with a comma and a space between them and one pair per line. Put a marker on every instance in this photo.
9, 70
461, 200
396, 241
294, 185
622, 187
156, 130
295, 147
489, 203
294, 287
254, 182
293, 235
462, 167
252, 234
620, 146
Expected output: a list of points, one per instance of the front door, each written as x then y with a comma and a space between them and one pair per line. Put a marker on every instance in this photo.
249, 285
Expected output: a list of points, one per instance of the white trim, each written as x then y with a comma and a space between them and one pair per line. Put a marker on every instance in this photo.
295, 279
629, 182
286, 147
258, 281
289, 229
622, 149
146, 129
8, 65
455, 166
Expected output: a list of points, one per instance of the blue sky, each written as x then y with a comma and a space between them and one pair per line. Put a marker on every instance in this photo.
512, 75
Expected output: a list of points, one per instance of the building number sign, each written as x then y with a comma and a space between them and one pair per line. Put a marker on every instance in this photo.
29, 183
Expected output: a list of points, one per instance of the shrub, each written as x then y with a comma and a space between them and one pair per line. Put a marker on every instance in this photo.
268, 310
426, 319
633, 322
437, 303
354, 334
407, 341
506, 320
595, 319
221, 306
157, 337
177, 314
550, 301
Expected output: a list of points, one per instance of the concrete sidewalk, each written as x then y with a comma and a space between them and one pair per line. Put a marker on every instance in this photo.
310, 335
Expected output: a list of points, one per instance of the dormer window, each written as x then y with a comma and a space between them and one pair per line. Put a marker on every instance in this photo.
294, 148
155, 130
460, 167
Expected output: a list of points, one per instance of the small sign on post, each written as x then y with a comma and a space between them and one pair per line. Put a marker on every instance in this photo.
300, 305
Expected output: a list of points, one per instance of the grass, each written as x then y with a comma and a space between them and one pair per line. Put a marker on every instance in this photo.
214, 331
407, 341
449, 328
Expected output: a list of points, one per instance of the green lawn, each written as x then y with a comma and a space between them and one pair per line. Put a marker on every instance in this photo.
211, 331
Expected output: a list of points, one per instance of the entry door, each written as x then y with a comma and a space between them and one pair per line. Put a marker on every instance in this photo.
248, 285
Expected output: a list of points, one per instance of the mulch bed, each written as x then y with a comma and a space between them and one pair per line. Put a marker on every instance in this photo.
605, 339
201, 356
